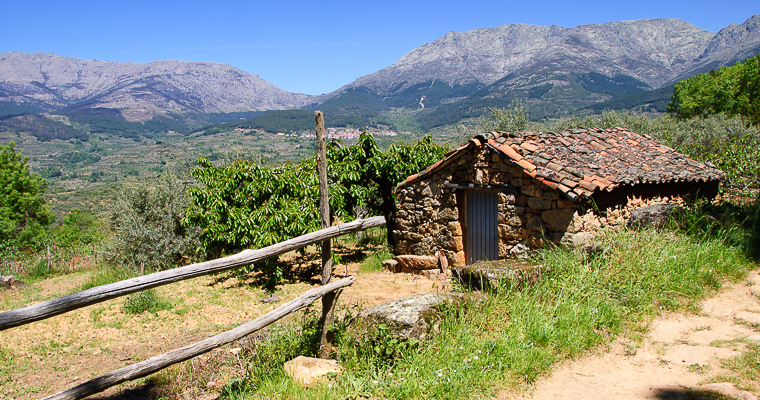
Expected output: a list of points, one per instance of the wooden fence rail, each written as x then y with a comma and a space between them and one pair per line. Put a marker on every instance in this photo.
162, 361
36, 312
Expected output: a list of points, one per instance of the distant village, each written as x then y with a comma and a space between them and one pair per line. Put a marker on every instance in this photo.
331, 133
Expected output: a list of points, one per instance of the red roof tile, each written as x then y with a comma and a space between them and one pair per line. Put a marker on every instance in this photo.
581, 161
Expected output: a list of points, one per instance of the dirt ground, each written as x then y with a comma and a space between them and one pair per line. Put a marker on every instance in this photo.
54, 354
679, 358
680, 353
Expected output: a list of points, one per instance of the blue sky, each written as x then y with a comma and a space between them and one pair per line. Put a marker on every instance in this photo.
305, 46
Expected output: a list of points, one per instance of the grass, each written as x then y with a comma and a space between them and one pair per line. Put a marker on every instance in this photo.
510, 339
374, 262
145, 301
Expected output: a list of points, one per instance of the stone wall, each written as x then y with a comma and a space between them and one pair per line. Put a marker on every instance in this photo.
430, 217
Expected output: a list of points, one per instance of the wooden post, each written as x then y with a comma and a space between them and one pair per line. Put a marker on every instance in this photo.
324, 203
328, 300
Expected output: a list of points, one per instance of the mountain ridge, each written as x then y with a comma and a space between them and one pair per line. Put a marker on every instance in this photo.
556, 70
140, 90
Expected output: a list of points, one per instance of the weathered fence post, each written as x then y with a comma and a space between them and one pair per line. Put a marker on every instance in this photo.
328, 300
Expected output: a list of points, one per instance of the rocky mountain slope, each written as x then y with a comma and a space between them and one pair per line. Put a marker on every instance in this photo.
554, 70
557, 69
139, 91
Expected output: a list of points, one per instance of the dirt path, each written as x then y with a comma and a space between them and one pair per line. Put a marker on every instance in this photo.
674, 360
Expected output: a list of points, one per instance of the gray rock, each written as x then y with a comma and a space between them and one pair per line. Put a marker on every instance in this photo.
391, 265
10, 282
654, 215
413, 317
494, 275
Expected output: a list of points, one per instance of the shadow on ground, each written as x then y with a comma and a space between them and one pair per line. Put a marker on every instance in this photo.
689, 394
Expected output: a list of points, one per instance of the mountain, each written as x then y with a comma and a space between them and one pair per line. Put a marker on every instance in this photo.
554, 70
140, 91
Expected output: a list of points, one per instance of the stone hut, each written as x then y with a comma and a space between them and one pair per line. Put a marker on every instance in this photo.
501, 193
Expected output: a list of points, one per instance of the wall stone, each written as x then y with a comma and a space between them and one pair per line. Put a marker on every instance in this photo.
429, 220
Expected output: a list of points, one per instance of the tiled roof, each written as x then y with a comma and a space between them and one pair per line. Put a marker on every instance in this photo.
580, 162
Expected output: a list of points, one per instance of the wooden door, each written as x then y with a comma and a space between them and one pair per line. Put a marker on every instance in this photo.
482, 226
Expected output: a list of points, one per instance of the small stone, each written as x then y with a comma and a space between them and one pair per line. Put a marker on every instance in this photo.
235, 351
417, 262
391, 265
307, 370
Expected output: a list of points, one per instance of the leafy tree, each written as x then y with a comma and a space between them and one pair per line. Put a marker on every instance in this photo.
733, 90
24, 212
367, 176
244, 205
79, 228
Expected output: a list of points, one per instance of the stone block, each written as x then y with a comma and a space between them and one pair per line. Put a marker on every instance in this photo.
558, 220
307, 370
503, 274
454, 228
550, 195
417, 262
458, 259
564, 202
534, 223
509, 233
450, 242
532, 190
512, 219
449, 214
537, 203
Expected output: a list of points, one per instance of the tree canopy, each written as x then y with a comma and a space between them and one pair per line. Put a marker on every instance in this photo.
733, 90
244, 205
23, 209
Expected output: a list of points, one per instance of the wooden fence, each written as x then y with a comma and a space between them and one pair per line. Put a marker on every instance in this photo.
36, 312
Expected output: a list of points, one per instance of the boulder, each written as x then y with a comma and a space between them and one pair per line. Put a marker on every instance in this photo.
504, 274
654, 215
417, 262
307, 370
413, 317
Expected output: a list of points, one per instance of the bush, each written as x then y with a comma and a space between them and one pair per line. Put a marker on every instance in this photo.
147, 217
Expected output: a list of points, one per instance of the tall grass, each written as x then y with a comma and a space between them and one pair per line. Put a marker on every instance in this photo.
511, 338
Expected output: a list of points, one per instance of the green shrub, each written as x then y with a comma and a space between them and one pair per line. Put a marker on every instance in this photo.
147, 218
147, 300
